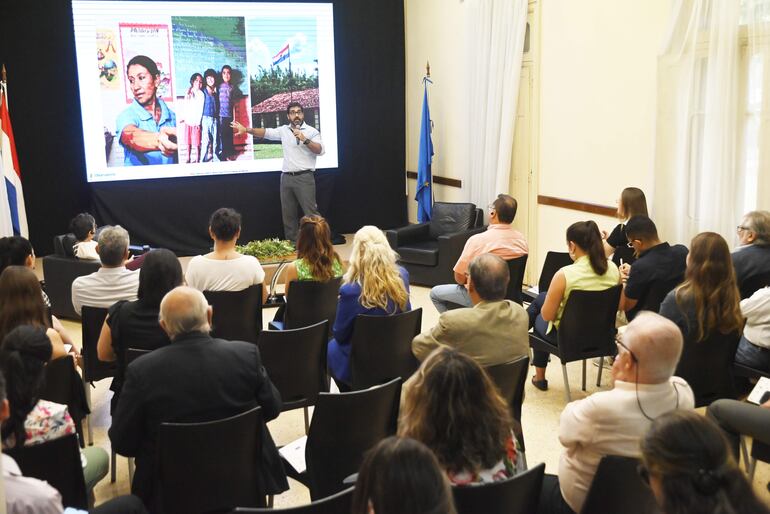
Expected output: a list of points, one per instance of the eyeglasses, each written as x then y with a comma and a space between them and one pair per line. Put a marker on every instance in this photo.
295, 111
644, 474
625, 348
741, 228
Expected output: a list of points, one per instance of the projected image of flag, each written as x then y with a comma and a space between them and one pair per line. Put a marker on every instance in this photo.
281, 56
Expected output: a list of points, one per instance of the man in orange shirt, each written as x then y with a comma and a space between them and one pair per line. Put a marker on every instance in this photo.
500, 239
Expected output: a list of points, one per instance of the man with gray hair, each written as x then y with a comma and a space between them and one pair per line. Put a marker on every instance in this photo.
612, 422
195, 378
493, 331
112, 282
752, 256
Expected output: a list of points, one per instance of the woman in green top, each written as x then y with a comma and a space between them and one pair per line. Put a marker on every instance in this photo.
591, 271
316, 258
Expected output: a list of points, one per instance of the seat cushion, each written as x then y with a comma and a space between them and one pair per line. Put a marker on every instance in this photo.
424, 252
449, 218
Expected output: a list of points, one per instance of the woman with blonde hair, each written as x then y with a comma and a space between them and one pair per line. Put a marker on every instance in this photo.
374, 285
632, 202
316, 258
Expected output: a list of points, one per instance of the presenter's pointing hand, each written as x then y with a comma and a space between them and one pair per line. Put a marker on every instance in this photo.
167, 140
237, 126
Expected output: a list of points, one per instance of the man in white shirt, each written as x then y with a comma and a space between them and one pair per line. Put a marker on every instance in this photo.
612, 422
301, 144
112, 282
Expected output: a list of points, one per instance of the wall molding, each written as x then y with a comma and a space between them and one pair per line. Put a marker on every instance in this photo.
437, 179
575, 205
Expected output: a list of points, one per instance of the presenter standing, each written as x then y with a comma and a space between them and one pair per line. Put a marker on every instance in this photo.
301, 144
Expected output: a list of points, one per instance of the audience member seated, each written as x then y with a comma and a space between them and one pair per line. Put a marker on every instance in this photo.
754, 346
752, 257
613, 422
135, 324
112, 282
22, 304
500, 239
401, 476
737, 418
591, 271
452, 406
708, 300
195, 378
224, 269
24, 353
656, 262
374, 285
83, 226
690, 469
316, 259
493, 331
632, 202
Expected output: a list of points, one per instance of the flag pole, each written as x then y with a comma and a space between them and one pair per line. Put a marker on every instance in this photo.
427, 78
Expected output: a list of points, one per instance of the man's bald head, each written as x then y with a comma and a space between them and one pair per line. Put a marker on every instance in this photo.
657, 344
184, 310
489, 277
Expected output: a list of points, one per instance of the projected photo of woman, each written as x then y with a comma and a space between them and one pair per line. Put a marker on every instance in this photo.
146, 129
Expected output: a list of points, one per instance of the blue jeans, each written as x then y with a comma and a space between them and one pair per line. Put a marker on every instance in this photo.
450, 296
536, 321
208, 138
752, 355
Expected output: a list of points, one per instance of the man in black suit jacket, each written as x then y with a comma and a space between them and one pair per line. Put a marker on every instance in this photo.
195, 378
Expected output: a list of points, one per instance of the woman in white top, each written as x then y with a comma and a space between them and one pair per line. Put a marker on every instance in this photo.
754, 346
224, 269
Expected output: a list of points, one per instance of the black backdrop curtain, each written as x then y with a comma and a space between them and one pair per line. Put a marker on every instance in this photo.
37, 47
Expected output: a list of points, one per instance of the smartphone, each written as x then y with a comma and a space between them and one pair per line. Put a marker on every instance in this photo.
765, 397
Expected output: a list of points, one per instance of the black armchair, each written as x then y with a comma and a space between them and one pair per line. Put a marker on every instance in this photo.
430, 250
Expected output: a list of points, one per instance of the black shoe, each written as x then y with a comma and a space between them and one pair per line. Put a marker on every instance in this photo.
540, 384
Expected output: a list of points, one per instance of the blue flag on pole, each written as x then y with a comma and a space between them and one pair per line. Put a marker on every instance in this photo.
424, 194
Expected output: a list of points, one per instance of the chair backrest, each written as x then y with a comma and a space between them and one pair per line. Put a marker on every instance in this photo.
63, 243
449, 218
618, 489
57, 462
134, 353
237, 315
707, 366
92, 319
59, 272
310, 302
516, 269
587, 327
751, 284
339, 503
210, 466
657, 293
63, 385
554, 261
510, 378
519, 494
295, 359
343, 428
381, 348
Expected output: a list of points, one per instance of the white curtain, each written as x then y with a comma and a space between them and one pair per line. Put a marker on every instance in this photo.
712, 138
496, 32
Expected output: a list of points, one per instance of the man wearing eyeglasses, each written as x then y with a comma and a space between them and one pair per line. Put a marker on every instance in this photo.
301, 145
752, 256
612, 422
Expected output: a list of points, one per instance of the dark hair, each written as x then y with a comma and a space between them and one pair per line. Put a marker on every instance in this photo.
225, 223
642, 228
401, 476
14, 251
490, 276
294, 104
159, 274
23, 355
455, 410
210, 73
146, 62
21, 300
3, 394
697, 472
632, 203
225, 67
192, 77
314, 245
586, 235
82, 225
505, 206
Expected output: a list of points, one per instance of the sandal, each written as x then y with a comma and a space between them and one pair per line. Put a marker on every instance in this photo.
540, 384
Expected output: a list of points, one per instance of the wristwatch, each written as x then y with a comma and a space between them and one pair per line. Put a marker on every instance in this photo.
306, 141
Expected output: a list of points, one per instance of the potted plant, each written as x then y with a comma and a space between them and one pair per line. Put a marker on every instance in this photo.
269, 250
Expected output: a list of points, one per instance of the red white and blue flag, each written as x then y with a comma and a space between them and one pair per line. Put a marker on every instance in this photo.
282, 55
13, 215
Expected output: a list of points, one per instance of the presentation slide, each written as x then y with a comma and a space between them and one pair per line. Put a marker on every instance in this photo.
161, 82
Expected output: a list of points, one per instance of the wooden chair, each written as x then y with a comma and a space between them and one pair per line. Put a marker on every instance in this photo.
237, 315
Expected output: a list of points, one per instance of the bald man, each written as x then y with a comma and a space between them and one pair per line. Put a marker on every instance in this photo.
195, 378
612, 422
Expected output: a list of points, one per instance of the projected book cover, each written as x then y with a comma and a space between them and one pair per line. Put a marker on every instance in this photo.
168, 86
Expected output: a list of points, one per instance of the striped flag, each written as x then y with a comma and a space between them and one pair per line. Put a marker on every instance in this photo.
12, 195
282, 55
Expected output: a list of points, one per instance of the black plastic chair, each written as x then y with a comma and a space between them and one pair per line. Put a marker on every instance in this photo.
63, 385
59, 272
741, 370
510, 379
554, 261
381, 348
57, 462
618, 489
295, 359
707, 366
587, 330
134, 353
753, 283
339, 503
210, 466
309, 302
343, 428
519, 494
516, 269
93, 369
237, 315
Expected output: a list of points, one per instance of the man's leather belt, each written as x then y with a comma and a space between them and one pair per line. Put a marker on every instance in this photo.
296, 173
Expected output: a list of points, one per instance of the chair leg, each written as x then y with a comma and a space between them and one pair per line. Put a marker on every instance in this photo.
307, 421
745, 453
599, 374
584, 374
88, 418
270, 501
131, 469
752, 468
113, 467
567, 394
